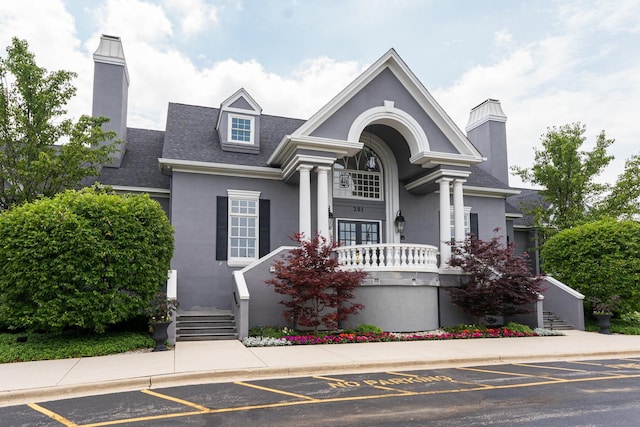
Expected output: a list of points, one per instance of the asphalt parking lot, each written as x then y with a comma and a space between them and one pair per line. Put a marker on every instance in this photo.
193, 404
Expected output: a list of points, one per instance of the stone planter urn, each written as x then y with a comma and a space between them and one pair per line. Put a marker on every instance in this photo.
160, 335
604, 322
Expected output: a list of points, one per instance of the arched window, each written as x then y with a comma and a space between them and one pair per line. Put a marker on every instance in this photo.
358, 177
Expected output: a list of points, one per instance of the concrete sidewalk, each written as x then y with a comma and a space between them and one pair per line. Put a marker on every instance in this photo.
218, 361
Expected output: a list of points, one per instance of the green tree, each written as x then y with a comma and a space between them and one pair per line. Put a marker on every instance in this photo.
32, 107
567, 175
599, 259
623, 201
83, 259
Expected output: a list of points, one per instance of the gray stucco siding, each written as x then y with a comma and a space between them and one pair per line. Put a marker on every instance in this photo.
241, 104
384, 87
203, 281
111, 89
491, 140
490, 212
422, 218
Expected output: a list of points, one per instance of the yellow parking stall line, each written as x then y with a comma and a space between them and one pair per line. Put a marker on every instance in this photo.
273, 390
176, 400
147, 418
328, 378
404, 374
587, 363
59, 418
510, 373
528, 365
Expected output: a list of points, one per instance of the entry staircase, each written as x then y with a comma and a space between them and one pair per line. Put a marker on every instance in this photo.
206, 326
553, 321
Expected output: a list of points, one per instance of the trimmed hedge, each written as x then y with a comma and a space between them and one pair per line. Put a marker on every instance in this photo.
599, 259
82, 259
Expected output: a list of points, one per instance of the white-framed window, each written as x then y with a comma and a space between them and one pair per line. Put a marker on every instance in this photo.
241, 129
243, 227
467, 222
358, 177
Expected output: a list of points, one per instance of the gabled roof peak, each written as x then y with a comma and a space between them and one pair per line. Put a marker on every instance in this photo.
241, 93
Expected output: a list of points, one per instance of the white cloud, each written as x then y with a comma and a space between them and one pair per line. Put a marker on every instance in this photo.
502, 37
566, 73
136, 20
620, 16
548, 83
194, 15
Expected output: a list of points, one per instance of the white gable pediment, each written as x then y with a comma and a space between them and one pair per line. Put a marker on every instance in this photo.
418, 118
240, 102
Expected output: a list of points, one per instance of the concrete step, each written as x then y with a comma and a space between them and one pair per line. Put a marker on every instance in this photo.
208, 337
552, 321
188, 329
205, 326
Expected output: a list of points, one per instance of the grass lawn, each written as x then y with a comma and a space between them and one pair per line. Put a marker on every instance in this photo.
28, 346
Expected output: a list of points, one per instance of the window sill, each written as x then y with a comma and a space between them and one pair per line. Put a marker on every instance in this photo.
239, 262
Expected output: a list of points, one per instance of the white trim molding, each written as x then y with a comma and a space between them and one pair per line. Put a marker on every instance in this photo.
153, 192
393, 117
190, 166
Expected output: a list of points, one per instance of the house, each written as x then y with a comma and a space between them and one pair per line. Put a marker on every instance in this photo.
382, 168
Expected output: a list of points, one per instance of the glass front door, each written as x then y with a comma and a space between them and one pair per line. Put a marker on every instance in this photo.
358, 232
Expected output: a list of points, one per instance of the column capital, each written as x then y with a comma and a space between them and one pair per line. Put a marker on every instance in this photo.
459, 181
304, 168
444, 179
323, 169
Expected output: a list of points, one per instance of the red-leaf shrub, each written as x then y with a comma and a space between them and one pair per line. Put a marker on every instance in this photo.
318, 292
499, 283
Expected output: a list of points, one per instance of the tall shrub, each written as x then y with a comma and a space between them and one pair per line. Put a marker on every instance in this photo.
499, 282
599, 259
318, 292
83, 259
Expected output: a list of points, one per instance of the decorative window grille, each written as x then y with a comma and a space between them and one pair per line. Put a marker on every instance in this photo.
354, 184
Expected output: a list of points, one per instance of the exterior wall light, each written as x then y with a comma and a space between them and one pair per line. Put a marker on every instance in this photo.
400, 222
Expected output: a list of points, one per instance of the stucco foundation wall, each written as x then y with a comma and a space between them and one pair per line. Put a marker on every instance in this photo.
204, 282
397, 308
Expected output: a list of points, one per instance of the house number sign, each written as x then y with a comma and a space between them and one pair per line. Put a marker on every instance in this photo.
358, 209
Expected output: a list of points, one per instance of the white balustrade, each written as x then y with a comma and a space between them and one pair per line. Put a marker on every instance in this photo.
389, 257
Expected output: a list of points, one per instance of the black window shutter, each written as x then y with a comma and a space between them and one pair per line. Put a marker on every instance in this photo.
264, 227
222, 227
473, 218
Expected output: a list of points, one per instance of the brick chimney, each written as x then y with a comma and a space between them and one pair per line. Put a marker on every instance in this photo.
111, 91
486, 130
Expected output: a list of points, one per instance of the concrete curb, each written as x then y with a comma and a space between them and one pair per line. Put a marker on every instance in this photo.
18, 397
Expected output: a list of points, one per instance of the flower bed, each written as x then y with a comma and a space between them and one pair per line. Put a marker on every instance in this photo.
344, 338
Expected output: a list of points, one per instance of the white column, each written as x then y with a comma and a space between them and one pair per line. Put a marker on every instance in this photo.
323, 201
304, 197
458, 211
445, 221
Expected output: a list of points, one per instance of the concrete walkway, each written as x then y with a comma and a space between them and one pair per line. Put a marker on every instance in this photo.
218, 361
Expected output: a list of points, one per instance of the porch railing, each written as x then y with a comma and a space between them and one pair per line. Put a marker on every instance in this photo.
389, 257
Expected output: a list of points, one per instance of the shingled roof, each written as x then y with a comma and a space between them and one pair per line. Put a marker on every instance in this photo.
139, 166
191, 135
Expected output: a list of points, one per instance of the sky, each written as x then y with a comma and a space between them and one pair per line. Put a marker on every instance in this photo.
550, 63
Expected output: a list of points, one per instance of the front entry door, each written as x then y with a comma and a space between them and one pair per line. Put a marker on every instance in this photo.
358, 232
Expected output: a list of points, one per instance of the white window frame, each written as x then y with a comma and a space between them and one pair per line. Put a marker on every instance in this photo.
252, 122
250, 196
467, 221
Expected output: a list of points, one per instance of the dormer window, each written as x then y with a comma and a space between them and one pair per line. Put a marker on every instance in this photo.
238, 124
241, 129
